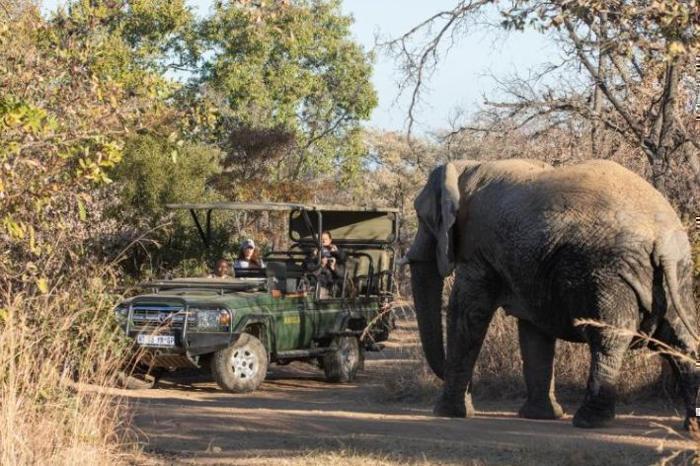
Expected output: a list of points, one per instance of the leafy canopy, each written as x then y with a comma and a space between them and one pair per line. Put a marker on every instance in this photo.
291, 67
155, 171
74, 88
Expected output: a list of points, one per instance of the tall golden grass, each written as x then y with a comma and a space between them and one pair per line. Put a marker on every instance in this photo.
57, 347
498, 371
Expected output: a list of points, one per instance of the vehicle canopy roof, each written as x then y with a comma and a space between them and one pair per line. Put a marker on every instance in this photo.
347, 224
267, 206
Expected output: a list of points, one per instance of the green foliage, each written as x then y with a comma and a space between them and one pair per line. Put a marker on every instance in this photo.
91, 120
668, 28
293, 67
137, 37
88, 110
73, 90
156, 171
65, 109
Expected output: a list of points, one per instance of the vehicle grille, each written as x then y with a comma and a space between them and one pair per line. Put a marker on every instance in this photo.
152, 316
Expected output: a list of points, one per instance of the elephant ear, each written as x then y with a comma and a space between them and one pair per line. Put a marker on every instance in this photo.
437, 206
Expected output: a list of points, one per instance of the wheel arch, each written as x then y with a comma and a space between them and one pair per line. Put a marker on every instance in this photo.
259, 326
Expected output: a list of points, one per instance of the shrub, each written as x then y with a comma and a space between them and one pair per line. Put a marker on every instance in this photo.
68, 100
56, 348
154, 171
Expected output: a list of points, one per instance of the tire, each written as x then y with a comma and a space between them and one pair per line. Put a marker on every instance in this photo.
342, 364
241, 367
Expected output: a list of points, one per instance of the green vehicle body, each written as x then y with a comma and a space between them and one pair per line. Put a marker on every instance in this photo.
184, 322
282, 323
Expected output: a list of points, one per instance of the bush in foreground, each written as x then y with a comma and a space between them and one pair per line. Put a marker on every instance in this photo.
57, 348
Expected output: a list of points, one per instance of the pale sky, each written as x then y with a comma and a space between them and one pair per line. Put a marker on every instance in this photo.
464, 75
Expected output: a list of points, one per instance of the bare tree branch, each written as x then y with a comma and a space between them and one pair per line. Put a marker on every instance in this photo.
600, 83
419, 61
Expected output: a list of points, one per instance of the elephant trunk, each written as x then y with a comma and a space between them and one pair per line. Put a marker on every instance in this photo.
427, 284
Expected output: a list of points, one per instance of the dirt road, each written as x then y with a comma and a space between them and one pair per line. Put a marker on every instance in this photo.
297, 418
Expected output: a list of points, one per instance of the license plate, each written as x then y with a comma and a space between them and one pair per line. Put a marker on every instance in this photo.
155, 340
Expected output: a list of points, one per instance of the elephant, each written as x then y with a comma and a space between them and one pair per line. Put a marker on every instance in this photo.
557, 248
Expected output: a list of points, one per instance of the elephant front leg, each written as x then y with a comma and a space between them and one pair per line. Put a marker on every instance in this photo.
469, 314
537, 350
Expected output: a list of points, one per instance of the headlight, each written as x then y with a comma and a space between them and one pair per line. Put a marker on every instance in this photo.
121, 312
212, 319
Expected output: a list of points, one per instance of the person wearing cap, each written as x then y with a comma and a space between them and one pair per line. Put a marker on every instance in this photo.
248, 256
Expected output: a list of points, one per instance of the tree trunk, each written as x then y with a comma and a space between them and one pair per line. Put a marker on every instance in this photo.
659, 168
598, 95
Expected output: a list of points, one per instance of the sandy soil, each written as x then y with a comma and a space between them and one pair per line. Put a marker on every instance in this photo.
297, 418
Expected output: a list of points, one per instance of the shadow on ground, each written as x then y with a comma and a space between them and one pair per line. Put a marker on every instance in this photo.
296, 414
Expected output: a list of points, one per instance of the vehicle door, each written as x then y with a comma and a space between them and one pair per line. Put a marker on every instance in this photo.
294, 322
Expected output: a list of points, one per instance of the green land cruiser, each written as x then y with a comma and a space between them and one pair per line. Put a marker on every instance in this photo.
236, 327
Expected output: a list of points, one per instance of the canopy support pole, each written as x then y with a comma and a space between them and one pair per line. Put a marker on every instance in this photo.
200, 230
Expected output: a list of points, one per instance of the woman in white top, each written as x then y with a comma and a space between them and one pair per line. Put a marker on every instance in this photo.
248, 256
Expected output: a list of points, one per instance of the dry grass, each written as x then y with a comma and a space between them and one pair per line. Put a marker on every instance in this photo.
466, 455
351, 457
499, 369
54, 348
355, 450
498, 372
411, 381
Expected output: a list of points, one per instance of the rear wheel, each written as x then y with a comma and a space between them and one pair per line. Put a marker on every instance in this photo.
342, 364
242, 366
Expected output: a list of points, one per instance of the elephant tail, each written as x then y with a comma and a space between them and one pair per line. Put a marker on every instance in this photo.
668, 255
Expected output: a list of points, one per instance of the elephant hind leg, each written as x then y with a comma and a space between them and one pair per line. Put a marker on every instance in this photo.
614, 303
537, 350
682, 361
616, 306
598, 407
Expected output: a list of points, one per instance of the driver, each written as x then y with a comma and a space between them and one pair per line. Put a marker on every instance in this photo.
248, 256
221, 269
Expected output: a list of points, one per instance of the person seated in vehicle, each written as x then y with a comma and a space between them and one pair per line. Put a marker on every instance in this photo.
248, 256
332, 265
222, 269
330, 250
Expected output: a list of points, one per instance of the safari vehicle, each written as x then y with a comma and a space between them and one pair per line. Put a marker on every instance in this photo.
236, 327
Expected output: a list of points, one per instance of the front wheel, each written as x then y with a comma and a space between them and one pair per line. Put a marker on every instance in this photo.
242, 366
342, 364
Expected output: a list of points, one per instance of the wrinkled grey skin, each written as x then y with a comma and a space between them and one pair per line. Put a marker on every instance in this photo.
550, 246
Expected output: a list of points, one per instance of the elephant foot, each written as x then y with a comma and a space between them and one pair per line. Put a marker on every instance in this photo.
597, 410
453, 407
589, 417
546, 409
